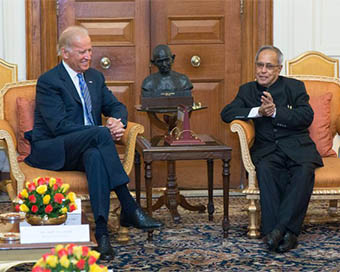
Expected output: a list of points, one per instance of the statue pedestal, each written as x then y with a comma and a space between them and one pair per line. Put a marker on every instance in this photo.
186, 136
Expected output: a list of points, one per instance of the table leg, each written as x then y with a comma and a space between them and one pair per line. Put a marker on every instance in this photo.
211, 208
148, 188
225, 176
172, 191
137, 176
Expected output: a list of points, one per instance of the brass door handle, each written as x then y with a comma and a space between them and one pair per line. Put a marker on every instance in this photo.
105, 63
195, 61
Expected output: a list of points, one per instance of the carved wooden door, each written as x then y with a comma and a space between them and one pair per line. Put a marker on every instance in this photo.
124, 33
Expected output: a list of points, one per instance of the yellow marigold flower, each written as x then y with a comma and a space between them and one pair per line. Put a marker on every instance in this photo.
65, 187
64, 261
58, 247
77, 251
24, 193
52, 260
24, 208
40, 263
63, 210
36, 181
94, 253
51, 182
46, 199
97, 268
71, 196
42, 189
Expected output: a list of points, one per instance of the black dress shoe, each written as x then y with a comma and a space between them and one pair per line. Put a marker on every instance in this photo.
104, 248
273, 239
140, 220
289, 242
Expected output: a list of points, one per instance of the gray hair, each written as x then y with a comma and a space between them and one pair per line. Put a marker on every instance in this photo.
68, 36
272, 48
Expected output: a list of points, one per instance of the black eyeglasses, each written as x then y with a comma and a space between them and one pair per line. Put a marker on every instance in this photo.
268, 66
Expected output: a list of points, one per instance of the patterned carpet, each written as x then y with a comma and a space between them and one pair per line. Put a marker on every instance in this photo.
198, 245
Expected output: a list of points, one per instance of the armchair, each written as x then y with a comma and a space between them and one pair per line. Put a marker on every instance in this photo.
20, 172
313, 63
327, 178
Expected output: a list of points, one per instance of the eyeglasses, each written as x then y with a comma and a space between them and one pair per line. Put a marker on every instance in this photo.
268, 66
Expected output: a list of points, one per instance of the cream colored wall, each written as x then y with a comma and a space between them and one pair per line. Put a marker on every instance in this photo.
302, 25
12, 34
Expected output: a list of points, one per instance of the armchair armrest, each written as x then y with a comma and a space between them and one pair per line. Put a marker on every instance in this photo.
246, 134
129, 141
4, 125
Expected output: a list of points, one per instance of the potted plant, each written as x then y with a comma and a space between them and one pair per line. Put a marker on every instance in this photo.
46, 201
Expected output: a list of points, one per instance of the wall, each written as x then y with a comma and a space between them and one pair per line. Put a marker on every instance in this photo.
302, 25
12, 34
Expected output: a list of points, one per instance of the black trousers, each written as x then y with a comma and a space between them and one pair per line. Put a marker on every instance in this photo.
285, 190
94, 152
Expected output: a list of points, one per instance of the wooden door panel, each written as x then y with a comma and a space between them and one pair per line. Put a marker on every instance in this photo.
212, 61
123, 62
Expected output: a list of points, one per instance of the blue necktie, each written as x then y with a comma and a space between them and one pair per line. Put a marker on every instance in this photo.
87, 99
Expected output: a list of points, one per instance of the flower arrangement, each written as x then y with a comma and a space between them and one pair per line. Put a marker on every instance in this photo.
47, 198
69, 258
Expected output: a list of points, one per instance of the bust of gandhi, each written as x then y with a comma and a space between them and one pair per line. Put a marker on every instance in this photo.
165, 83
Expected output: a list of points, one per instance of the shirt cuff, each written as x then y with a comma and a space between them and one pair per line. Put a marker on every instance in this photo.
254, 113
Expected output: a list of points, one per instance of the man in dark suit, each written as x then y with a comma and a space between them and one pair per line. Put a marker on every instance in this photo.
284, 155
68, 133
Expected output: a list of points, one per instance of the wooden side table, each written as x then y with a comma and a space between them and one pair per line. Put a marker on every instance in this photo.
213, 149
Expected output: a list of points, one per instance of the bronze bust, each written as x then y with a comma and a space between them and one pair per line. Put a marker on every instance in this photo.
165, 83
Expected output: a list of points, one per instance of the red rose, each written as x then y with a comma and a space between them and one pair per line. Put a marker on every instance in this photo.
34, 208
91, 260
69, 248
38, 269
31, 187
55, 187
17, 208
32, 199
48, 208
85, 250
59, 182
71, 208
58, 197
62, 252
41, 181
81, 264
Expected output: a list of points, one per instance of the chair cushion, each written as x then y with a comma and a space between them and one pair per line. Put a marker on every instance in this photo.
25, 115
320, 128
329, 175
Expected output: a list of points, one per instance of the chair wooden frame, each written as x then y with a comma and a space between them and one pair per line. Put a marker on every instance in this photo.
313, 63
8, 72
322, 190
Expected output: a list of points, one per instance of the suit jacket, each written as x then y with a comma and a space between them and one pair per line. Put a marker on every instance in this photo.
59, 112
288, 130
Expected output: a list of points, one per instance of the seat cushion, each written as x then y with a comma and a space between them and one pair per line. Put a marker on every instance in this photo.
76, 179
320, 130
329, 174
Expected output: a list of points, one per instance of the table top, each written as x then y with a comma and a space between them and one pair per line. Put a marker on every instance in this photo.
160, 150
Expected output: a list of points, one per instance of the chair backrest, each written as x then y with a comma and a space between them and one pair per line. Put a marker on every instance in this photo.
8, 97
313, 63
317, 86
8, 72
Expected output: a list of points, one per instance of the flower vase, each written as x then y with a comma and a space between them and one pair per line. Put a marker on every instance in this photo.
36, 220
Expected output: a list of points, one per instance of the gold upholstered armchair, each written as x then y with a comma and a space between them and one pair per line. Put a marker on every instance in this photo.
324, 95
16, 116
